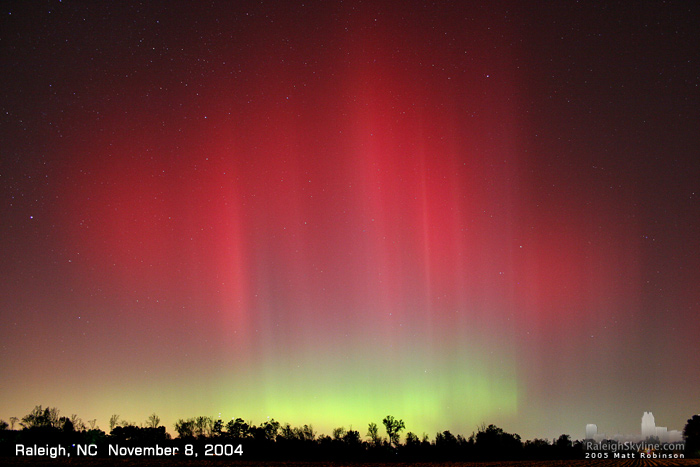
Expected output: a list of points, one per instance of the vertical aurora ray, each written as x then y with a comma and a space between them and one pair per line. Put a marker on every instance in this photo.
318, 257
380, 320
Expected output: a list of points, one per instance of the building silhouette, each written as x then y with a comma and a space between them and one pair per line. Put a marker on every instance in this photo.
648, 426
591, 430
649, 431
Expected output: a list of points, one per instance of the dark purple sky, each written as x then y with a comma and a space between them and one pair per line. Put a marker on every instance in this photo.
325, 212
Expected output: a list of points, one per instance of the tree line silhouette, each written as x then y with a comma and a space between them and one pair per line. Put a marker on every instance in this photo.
271, 440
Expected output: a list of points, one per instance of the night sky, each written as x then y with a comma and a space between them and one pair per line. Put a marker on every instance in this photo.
327, 212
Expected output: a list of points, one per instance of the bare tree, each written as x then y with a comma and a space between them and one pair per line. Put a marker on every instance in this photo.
40, 417
53, 417
393, 427
113, 422
153, 421
339, 433
92, 423
272, 426
286, 431
238, 428
203, 425
373, 434
77, 422
65, 424
218, 427
412, 439
307, 432
13, 420
185, 428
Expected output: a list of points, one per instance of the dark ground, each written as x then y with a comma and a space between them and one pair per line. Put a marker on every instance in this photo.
18, 461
